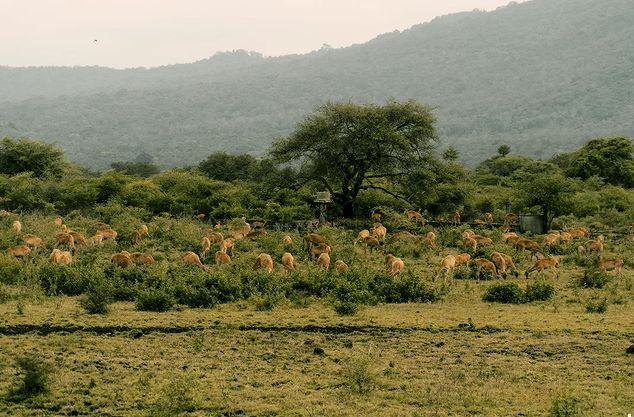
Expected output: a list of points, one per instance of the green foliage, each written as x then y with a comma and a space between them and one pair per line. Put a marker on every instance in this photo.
11, 269
597, 305
345, 145
593, 278
97, 296
4, 294
27, 155
358, 375
175, 397
550, 192
63, 279
564, 406
505, 292
35, 377
151, 299
539, 291
138, 169
612, 159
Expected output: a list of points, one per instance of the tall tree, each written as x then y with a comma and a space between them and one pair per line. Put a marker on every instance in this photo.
349, 147
551, 192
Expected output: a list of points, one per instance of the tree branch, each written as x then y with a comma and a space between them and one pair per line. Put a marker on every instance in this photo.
376, 187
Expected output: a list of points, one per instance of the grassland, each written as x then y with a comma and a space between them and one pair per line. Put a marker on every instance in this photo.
456, 357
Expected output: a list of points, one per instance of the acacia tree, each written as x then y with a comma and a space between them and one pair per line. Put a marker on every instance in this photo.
350, 147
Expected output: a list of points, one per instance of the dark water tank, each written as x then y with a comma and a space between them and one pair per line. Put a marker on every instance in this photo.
532, 223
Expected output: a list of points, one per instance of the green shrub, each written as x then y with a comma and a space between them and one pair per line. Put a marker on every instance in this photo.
175, 397
539, 291
593, 278
345, 308
564, 406
10, 269
4, 294
62, 279
358, 376
35, 377
505, 292
267, 302
97, 297
154, 300
597, 306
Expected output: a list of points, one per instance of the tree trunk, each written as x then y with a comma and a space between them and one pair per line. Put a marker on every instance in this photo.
348, 208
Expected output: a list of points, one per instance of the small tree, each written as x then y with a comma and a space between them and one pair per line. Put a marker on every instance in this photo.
504, 150
550, 192
450, 154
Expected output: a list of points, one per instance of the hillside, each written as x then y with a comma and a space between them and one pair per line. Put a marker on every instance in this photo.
542, 76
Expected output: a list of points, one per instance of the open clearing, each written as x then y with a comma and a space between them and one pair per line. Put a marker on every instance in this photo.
458, 357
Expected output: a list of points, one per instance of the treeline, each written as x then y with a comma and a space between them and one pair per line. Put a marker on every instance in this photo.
592, 185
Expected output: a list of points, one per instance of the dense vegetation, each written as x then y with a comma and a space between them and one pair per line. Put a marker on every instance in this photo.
542, 76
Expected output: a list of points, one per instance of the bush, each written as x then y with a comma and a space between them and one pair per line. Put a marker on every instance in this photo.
10, 269
345, 308
154, 300
4, 295
593, 278
35, 377
97, 297
564, 406
358, 376
506, 292
175, 397
267, 302
597, 306
62, 279
539, 291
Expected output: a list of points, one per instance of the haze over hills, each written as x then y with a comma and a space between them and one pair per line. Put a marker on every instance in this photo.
543, 76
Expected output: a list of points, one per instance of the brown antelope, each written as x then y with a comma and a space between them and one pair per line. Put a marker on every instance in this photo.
192, 258
288, 262
32, 240
222, 258
371, 242
446, 267
287, 240
121, 259
20, 250
60, 257
486, 264
396, 267
611, 264
455, 218
17, 227
361, 235
595, 245
205, 246
323, 262
139, 258
542, 264
312, 239
504, 262
264, 261
340, 266
378, 231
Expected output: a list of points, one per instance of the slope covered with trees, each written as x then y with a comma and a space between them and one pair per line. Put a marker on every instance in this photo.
543, 76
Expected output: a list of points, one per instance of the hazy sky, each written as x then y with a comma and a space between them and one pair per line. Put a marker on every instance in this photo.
132, 33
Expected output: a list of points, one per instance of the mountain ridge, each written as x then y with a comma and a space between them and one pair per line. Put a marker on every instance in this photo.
542, 76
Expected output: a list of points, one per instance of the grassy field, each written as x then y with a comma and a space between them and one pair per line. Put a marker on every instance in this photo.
458, 357
295, 356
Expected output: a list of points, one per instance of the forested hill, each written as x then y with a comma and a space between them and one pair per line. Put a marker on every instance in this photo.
542, 76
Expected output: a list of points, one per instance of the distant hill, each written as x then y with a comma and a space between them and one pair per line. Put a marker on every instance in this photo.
542, 76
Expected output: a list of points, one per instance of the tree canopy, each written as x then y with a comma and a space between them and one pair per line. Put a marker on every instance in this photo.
349, 147
27, 155
609, 158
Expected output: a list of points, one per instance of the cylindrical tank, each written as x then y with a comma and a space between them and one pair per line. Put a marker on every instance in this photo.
532, 223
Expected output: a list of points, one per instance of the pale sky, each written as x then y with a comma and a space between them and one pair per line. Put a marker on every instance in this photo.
134, 33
